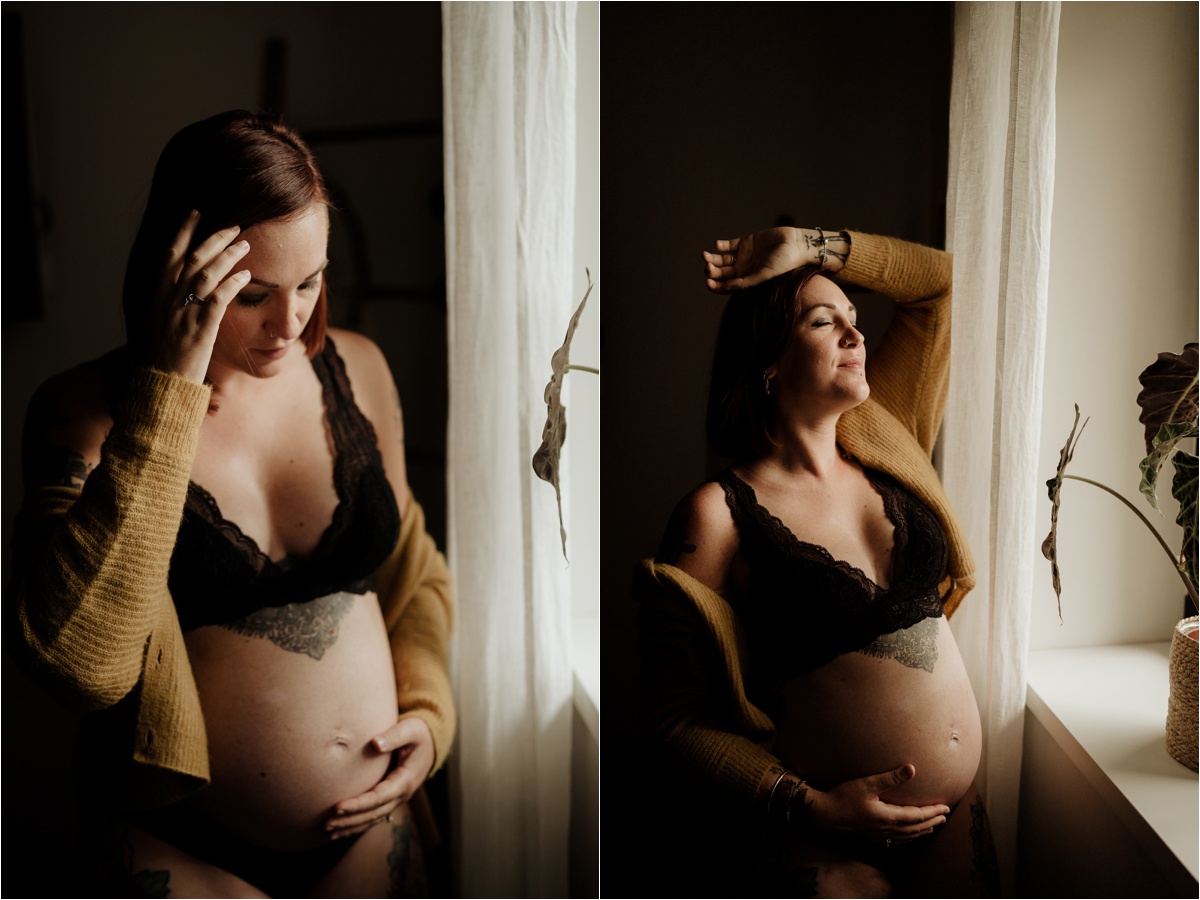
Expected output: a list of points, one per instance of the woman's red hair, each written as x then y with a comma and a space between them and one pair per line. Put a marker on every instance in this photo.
236, 168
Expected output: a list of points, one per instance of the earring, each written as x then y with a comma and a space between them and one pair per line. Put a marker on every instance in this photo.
767, 383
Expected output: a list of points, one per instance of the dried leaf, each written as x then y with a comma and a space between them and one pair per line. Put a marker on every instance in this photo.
1187, 468
1168, 392
1054, 489
554, 434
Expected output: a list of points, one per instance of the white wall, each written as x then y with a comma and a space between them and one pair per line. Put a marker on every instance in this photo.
1122, 289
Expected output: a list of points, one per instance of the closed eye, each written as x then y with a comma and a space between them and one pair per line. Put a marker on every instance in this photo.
250, 299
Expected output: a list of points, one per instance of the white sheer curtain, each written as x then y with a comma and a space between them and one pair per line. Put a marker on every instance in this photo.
1000, 193
509, 103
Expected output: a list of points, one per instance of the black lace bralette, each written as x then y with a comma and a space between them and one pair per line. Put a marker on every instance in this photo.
219, 575
803, 608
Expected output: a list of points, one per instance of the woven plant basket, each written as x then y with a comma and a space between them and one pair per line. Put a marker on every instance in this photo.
1181, 707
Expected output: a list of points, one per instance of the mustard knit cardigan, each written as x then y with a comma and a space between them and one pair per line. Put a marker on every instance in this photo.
98, 624
691, 642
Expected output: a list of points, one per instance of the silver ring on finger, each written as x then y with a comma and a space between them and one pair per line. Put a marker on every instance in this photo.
192, 298
887, 843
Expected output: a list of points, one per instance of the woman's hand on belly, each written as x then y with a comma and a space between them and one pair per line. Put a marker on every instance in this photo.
411, 744
854, 809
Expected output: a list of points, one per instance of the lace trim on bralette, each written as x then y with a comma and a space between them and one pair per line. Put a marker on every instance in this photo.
765, 532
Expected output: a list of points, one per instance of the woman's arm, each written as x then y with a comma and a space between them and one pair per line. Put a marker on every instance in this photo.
909, 371
690, 648
97, 527
98, 524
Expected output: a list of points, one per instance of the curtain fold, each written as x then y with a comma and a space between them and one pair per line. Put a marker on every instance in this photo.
509, 123
999, 200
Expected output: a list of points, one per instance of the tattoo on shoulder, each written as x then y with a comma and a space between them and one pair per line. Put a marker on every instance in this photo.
150, 883
65, 467
310, 628
915, 647
675, 541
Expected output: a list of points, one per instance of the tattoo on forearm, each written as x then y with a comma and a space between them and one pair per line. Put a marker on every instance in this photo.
675, 541
915, 647
310, 628
66, 467
406, 866
836, 245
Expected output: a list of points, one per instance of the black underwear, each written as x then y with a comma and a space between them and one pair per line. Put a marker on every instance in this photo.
278, 873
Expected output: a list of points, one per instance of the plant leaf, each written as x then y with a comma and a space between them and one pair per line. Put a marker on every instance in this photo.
1183, 487
1166, 442
1168, 392
1054, 489
554, 434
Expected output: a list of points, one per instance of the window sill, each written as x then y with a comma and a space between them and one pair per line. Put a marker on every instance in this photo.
1106, 708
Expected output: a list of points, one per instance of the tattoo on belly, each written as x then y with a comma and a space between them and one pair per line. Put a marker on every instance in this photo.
310, 628
915, 647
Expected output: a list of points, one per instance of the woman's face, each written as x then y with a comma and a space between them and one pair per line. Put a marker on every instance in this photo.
823, 367
263, 324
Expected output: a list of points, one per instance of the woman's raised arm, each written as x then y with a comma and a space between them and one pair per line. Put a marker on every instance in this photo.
739, 263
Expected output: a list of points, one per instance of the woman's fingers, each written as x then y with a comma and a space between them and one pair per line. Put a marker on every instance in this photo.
345, 826
175, 254
208, 264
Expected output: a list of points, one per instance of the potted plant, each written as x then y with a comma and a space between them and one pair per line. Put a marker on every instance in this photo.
1169, 416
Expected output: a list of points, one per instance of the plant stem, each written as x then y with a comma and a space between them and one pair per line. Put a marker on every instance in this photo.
572, 366
1187, 582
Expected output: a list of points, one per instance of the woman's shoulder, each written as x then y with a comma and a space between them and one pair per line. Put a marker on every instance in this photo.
701, 538
367, 368
69, 416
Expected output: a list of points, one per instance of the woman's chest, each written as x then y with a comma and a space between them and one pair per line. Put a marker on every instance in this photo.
273, 475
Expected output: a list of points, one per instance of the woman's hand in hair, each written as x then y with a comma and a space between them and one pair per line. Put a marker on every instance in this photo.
854, 809
746, 261
411, 744
195, 290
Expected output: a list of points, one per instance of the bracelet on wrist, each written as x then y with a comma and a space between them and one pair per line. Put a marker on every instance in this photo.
788, 802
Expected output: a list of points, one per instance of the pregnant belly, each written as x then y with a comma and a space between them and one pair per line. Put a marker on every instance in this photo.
907, 701
291, 698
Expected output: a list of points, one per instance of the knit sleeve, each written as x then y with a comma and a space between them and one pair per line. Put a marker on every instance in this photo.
418, 610
90, 564
909, 372
693, 698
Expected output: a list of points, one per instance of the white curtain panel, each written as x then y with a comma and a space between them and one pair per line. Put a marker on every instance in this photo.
509, 120
999, 199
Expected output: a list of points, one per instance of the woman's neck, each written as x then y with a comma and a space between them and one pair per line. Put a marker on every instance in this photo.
806, 447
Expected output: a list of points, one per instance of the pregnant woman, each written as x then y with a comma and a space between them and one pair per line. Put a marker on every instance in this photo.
219, 555
797, 660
